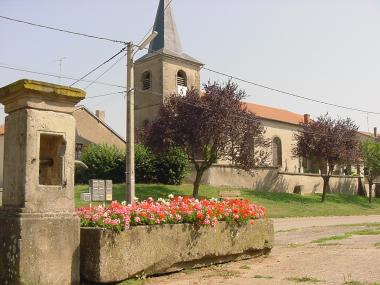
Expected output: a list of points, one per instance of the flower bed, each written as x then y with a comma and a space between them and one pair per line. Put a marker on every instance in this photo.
175, 210
122, 241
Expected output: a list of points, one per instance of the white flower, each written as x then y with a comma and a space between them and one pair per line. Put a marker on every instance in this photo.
170, 196
124, 203
161, 200
135, 199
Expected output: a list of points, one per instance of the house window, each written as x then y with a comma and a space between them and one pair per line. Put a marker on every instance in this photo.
277, 152
78, 150
146, 80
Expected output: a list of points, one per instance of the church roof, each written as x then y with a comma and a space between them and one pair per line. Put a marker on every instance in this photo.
167, 41
281, 115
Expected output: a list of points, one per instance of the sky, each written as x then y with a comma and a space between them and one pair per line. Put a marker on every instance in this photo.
327, 50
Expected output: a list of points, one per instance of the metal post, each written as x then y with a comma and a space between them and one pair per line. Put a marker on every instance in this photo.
130, 141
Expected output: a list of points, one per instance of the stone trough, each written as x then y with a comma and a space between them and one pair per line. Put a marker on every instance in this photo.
107, 256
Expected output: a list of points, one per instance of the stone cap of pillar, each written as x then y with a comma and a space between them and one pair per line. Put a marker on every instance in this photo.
32, 94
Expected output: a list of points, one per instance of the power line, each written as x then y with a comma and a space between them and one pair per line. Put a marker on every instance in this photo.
275, 89
108, 69
104, 95
99, 66
208, 69
62, 30
59, 76
290, 94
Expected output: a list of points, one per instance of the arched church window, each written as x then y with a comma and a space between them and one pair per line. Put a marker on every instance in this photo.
181, 78
146, 80
277, 152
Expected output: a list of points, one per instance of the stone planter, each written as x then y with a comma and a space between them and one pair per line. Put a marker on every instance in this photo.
107, 256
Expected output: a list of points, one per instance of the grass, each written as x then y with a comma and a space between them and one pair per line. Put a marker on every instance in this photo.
133, 282
365, 232
377, 245
278, 205
304, 279
332, 238
226, 274
354, 282
262, 277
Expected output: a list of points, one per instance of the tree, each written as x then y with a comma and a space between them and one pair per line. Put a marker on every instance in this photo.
209, 127
104, 162
371, 157
328, 141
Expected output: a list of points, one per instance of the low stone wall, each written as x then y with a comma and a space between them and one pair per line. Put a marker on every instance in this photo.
107, 256
271, 179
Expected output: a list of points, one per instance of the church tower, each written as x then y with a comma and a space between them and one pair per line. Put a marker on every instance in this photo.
164, 70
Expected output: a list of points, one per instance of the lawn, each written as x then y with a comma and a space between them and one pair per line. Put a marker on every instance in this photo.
277, 204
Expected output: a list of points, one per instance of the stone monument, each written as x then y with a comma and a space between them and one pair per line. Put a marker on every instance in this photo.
39, 231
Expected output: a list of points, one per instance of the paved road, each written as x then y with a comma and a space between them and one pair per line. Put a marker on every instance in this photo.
295, 257
298, 223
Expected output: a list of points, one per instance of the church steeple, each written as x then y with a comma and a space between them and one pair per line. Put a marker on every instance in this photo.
164, 70
168, 38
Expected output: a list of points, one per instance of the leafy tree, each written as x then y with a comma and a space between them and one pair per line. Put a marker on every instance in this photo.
371, 157
104, 162
145, 163
329, 141
209, 127
171, 166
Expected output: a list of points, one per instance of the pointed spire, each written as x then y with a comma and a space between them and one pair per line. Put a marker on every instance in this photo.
164, 24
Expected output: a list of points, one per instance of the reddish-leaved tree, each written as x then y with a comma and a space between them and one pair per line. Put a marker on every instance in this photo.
211, 126
328, 141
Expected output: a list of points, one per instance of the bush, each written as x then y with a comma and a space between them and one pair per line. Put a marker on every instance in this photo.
144, 164
104, 162
108, 162
172, 166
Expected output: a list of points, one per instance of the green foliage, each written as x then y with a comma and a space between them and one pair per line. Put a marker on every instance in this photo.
172, 166
371, 156
104, 162
145, 163
108, 162
278, 205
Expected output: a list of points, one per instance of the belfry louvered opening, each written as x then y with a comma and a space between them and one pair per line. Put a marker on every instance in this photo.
181, 78
146, 81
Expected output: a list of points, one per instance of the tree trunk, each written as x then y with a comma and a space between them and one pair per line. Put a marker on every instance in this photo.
196, 183
326, 187
370, 191
361, 190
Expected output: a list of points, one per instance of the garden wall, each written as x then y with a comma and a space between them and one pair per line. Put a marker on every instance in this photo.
107, 256
271, 179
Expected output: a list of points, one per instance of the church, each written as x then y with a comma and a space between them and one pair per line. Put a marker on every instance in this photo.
167, 69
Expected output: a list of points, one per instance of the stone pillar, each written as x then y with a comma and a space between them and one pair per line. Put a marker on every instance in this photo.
39, 231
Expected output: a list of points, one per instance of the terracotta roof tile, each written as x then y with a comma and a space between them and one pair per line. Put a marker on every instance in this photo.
271, 113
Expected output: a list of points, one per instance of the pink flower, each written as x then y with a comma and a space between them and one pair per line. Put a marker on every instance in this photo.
137, 220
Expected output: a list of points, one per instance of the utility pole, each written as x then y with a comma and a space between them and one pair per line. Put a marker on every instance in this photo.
130, 189
130, 141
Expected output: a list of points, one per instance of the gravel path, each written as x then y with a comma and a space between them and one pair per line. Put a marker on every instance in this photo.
295, 259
